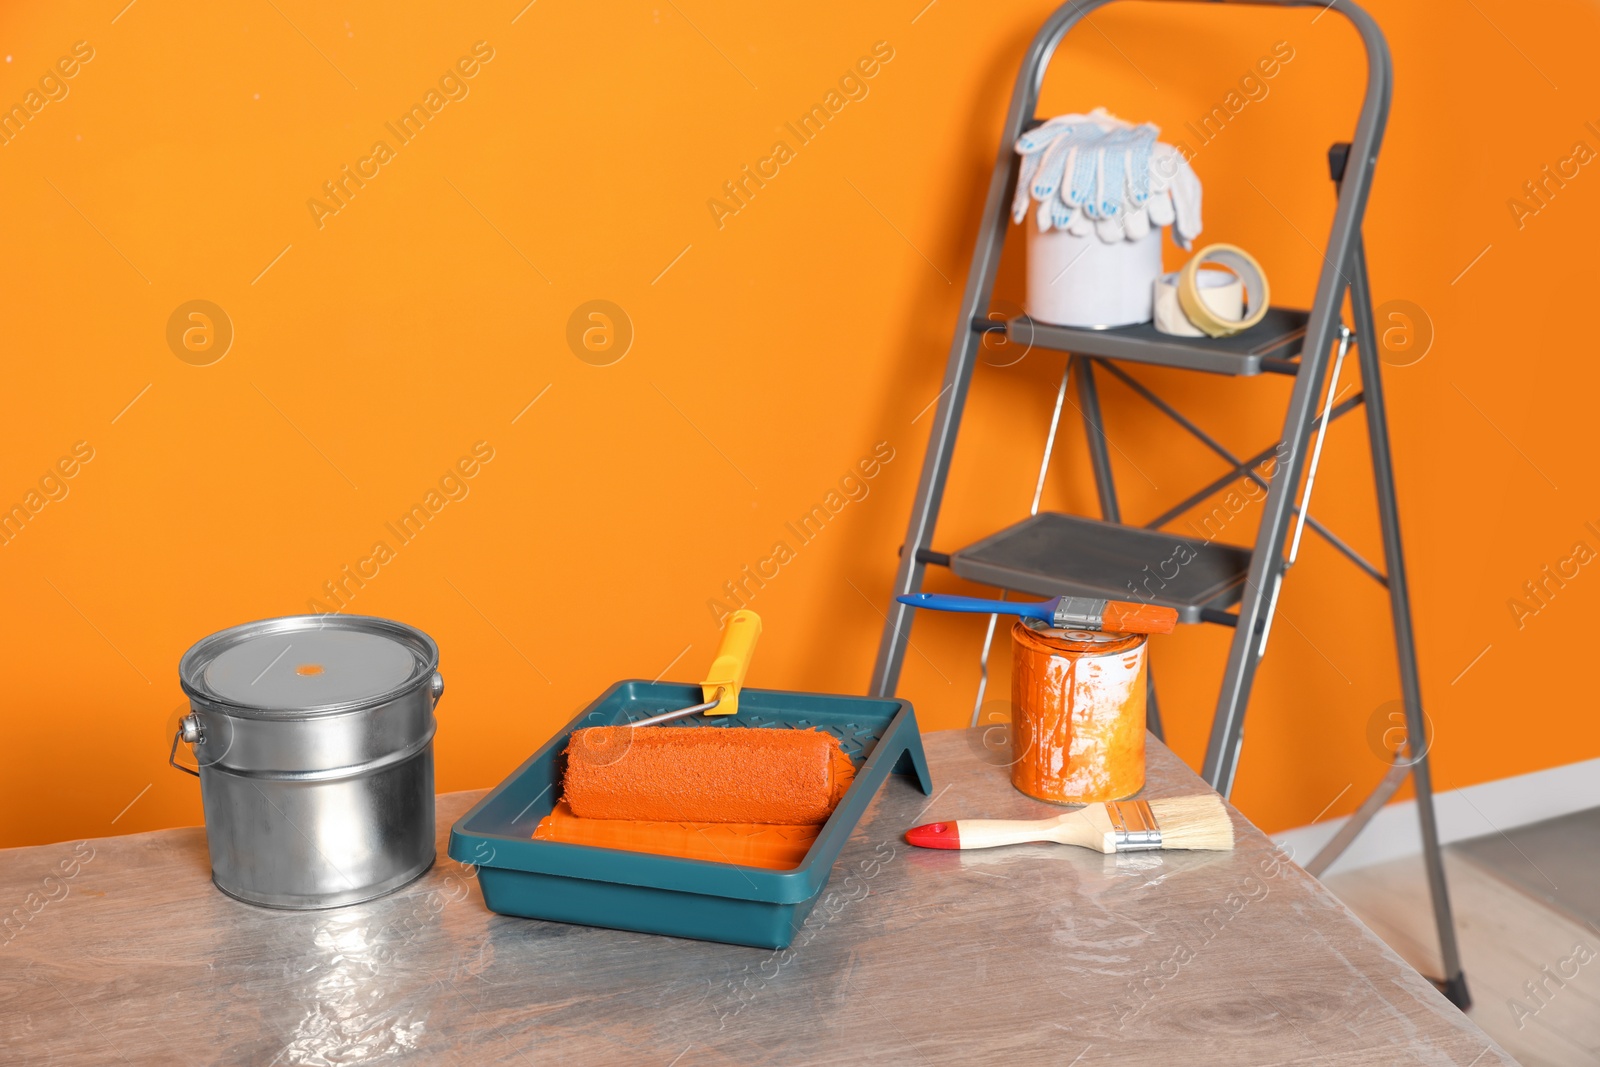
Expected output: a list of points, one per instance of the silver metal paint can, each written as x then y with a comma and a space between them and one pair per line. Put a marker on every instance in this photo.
314, 739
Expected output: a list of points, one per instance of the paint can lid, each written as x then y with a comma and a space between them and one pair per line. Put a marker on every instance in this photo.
308, 663
1082, 642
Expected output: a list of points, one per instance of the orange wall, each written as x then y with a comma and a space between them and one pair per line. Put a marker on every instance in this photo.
772, 352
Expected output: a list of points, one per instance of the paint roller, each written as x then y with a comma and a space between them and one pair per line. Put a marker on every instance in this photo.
648, 772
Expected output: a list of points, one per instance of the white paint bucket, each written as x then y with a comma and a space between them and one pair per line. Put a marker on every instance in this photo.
1090, 283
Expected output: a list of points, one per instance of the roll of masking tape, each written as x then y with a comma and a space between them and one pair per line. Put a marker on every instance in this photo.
1222, 291
1249, 271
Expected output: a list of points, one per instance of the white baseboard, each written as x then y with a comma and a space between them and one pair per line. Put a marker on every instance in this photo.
1471, 811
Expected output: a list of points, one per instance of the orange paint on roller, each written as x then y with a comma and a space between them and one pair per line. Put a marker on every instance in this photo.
705, 774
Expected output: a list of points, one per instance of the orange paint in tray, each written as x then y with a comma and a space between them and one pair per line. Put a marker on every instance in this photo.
1078, 713
778, 848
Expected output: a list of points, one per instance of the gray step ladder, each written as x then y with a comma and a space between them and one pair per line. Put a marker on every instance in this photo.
1051, 554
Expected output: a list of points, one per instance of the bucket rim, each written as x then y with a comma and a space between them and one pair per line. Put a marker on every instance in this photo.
1074, 641
192, 666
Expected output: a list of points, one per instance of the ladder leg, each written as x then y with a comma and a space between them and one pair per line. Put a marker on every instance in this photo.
1244, 655
983, 670
1152, 712
1267, 563
1100, 454
1033, 509
1094, 428
1455, 983
951, 401
925, 509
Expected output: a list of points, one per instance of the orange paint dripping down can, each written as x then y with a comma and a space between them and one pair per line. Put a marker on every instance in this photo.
1078, 713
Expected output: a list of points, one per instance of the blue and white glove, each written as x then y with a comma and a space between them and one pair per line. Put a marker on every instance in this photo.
1140, 146
1031, 146
1096, 174
1049, 150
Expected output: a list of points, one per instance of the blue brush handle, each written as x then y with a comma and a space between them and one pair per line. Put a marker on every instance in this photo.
1039, 609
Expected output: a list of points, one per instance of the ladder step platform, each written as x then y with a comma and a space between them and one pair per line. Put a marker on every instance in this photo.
1051, 554
1271, 345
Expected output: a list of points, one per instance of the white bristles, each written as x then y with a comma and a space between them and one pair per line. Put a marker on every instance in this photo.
1197, 822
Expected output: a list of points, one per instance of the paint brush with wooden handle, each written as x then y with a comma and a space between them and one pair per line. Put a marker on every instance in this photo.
1062, 612
1197, 822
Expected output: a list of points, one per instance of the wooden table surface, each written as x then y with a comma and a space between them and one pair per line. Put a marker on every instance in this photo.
120, 950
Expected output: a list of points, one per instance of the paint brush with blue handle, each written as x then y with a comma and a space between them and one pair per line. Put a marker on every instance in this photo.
1062, 612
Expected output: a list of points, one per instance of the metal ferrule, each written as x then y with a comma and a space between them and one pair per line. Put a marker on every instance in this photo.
1079, 613
1134, 826
668, 716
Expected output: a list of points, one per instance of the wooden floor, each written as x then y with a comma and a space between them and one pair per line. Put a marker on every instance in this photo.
1508, 937
1556, 861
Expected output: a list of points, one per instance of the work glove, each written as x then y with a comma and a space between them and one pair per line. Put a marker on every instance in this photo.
1097, 174
1046, 152
1174, 195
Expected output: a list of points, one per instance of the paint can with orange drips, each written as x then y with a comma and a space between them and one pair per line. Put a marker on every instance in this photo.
1078, 713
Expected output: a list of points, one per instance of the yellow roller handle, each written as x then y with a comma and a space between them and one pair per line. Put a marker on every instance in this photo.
733, 660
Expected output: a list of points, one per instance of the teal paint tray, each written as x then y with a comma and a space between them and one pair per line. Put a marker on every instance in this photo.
664, 894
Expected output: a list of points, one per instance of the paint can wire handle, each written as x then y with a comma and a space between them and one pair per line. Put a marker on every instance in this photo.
189, 730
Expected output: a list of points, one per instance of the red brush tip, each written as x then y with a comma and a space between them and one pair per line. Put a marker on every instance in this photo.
934, 835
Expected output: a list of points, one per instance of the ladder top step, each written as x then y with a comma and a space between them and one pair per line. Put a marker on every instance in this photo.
1051, 554
1271, 345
